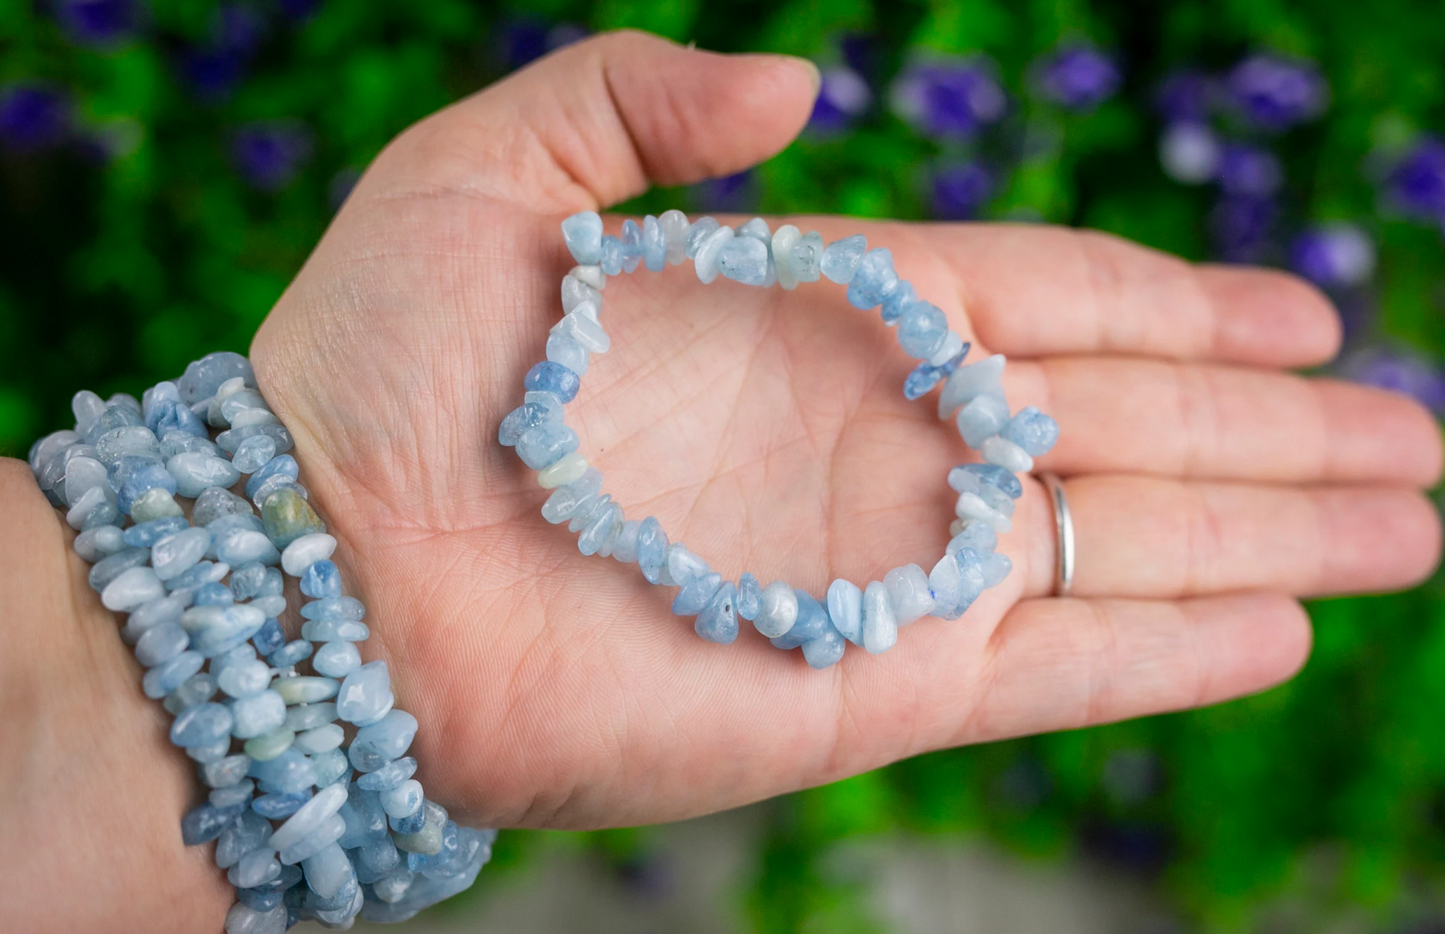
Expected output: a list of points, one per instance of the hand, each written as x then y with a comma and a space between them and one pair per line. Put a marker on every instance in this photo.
767, 430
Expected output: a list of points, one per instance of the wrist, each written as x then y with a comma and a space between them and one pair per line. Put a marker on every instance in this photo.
93, 786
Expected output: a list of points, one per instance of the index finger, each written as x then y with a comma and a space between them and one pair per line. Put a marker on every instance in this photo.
1035, 290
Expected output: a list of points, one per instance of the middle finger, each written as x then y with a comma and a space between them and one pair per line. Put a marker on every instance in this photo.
1226, 422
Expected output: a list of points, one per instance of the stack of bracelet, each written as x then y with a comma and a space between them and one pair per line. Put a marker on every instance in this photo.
755, 255
204, 598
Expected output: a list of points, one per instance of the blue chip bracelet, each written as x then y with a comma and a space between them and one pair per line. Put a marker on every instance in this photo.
753, 254
307, 823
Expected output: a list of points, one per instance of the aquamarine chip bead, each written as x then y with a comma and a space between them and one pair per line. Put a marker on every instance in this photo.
269, 637
589, 510
601, 531
909, 592
195, 472
567, 500
365, 694
321, 580
252, 453
334, 630
201, 724
544, 445
337, 659
806, 257
167, 676
654, 244
388, 776
147, 534
161, 644
582, 233
277, 805
982, 418
922, 329
705, 263
718, 621
826, 650
383, 741
631, 245
992, 474
697, 232
995, 566
898, 301
282, 465
402, 800
141, 480
695, 594
613, 256
179, 552
565, 350
744, 260
343, 607
925, 376
555, 378
1031, 430
750, 597
257, 714
841, 259
845, 609
206, 822
810, 622
951, 594
873, 281
652, 547
522, 419
290, 654
375, 860
880, 623
978, 537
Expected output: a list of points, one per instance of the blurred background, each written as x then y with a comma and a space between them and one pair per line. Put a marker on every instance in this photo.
166, 165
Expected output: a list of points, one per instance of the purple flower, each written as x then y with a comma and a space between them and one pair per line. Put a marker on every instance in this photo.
97, 22
1190, 152
842, 97
1399, 371
730, 194
34, 117
1242, 226
1076, 77
1415, 184
1185, 97
268, 155
1334, 255
960, 190
1249, 171
1275, 93
949, 99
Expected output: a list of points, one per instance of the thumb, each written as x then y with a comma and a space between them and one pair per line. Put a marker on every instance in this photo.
596, 122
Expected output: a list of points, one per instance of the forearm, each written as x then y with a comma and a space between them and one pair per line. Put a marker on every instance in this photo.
90, 822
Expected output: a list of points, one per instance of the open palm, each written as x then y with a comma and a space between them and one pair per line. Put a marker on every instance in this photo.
767, 430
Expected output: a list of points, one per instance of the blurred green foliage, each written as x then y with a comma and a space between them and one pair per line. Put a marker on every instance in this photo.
144, 246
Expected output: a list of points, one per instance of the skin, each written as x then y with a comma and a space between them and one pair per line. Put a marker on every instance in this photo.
1211, 488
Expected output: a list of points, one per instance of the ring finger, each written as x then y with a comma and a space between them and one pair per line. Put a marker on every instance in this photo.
1164, 538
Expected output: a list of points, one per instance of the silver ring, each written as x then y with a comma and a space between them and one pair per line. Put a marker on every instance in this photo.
1064, 537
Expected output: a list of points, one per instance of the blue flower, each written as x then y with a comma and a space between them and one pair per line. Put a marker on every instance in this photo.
1185, 96
842, 97
730, 194
949, 98
97, 22
1249, 171
1334, 255
1242, 226
1399, 371
524, 39
1076, 77
960, 190
1274, 93
268, 155
1190, 152
1415, 184
34, 117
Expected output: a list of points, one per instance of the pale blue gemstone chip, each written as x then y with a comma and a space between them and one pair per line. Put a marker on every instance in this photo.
555, 378
1031, 430
544, 445
582, 233
841, 259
